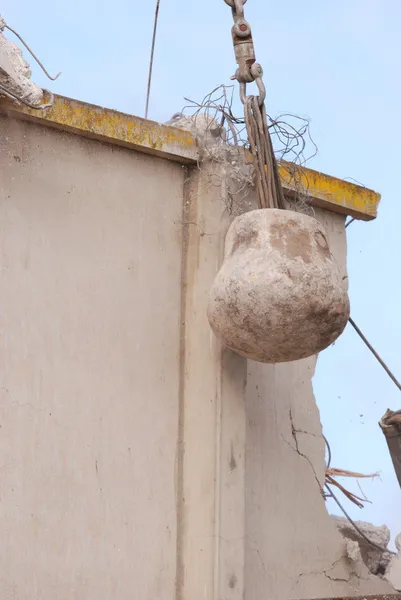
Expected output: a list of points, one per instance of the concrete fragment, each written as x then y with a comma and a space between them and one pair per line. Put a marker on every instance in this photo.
393, 572
375, 559
203, 127
353, 551
278, 296
15, 74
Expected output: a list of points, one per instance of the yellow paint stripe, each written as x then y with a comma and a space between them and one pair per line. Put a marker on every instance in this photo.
331, 193
175, 144
112, 127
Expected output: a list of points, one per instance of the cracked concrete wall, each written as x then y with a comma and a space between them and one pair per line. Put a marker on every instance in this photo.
133, 459
293, 547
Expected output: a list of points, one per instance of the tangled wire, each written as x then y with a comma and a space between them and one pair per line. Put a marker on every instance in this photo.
290, 135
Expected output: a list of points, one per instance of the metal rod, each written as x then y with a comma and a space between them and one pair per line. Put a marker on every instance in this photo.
32, 53
375, 354
152, 54
358, 529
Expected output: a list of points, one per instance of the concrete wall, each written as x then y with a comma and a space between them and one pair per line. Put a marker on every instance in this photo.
293, 548
139, 459
89, 353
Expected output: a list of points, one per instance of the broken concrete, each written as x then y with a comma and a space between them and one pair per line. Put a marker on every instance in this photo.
393, 572
293, 548
242, 514
15, 74
203, 127
375, 559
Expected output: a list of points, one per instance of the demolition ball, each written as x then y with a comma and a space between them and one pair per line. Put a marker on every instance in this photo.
278, 296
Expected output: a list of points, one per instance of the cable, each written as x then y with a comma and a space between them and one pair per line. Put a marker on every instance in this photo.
3, 25
267, 178
358, 529
152, 54
328, 452
375, 354
349, 222
336, 500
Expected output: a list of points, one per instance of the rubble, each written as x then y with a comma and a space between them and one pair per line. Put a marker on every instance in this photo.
15, 74
202, 126
376, 560
393, 571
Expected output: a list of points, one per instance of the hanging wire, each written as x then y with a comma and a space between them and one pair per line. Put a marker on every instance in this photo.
3, 25
375, 354
267, 178
332, 495
152, 54
358, 529
326, 441
328, 488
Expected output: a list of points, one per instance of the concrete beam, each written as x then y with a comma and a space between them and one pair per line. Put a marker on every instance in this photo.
110, 126
331, 193
113, 127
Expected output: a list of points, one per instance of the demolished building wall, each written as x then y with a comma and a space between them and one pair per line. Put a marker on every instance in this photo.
372, 542
178, 468
293, 547
374, 554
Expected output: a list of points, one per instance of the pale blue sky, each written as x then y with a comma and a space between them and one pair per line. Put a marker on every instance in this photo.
338, 63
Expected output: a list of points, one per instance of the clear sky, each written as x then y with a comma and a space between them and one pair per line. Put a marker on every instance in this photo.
339, 64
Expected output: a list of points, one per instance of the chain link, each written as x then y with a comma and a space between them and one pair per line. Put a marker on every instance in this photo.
266, 174
248, 69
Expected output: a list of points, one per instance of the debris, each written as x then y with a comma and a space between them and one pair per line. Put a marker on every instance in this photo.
374, 559
332, 473
15, 74
393, 572
353, 551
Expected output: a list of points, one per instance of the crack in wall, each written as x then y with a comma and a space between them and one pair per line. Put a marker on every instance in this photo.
352, 575
308, 433
296, 449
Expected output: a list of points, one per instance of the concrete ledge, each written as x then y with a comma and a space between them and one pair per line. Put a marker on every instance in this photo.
175, 144
331, 193
110, 126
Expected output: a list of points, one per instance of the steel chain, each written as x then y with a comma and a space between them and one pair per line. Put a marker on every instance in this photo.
267, 179
248, 69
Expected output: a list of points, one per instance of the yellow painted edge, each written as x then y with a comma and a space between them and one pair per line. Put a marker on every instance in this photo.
139, 134
113, 127
331, 193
